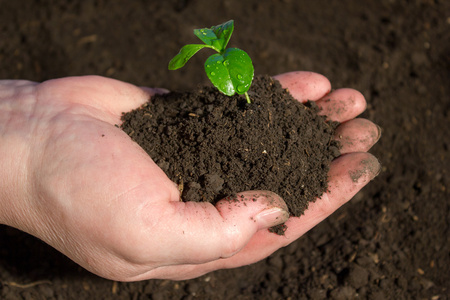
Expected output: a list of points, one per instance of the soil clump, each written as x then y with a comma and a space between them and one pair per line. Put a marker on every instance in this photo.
214, 146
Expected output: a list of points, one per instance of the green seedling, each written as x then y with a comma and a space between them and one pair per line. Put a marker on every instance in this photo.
230, 70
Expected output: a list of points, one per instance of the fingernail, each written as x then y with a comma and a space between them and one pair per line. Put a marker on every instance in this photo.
271, 217
372, 166
378, 171
379, 132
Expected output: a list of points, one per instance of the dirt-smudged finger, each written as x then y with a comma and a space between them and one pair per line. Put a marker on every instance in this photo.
348, 174
342, 105
357, 135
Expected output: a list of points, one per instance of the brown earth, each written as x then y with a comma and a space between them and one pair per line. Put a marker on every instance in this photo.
214, 146
390, 242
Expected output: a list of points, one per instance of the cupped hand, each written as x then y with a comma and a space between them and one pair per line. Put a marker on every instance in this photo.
70, 177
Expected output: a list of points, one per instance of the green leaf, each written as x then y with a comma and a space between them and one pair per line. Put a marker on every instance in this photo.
231, 72
217, 36
184, 55
224, 32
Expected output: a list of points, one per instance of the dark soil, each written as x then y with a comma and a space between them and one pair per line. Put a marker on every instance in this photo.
215, 146
390, 242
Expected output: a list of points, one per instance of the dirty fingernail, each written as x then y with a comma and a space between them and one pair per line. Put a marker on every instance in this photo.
380, 130
271, 217
378, 171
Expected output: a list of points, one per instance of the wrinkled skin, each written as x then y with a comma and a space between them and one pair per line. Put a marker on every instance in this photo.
71, 178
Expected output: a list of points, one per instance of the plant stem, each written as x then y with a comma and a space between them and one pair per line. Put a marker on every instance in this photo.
248, 98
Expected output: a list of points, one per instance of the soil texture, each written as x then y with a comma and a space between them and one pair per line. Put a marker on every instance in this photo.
215, 146
391, 241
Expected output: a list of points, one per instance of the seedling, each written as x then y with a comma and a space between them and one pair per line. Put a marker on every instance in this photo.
230, 70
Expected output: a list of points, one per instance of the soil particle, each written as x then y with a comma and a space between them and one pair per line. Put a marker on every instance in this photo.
216, 146
212, 182
357, 276
343, 293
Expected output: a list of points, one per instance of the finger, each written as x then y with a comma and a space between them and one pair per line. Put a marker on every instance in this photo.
357, 135
305, 86
201, 232
342, 105
103, 93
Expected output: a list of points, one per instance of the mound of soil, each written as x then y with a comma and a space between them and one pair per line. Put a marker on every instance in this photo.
215, 146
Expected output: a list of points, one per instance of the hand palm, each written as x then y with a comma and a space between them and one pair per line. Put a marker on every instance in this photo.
98, 198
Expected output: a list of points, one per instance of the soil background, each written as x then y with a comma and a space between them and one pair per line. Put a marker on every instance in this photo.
390, 242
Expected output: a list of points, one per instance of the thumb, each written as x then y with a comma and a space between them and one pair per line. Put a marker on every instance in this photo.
223, 230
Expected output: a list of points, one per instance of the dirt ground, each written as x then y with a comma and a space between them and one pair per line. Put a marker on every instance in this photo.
390, 242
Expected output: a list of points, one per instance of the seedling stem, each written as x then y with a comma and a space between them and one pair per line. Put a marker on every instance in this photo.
248, 98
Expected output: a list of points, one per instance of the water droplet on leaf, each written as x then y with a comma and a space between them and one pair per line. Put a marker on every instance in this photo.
212, 74
241, 88
239, 77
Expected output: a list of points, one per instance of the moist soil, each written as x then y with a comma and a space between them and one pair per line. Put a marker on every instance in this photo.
214, 146
391, 241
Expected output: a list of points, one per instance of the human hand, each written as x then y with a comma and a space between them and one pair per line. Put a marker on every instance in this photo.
74, 180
